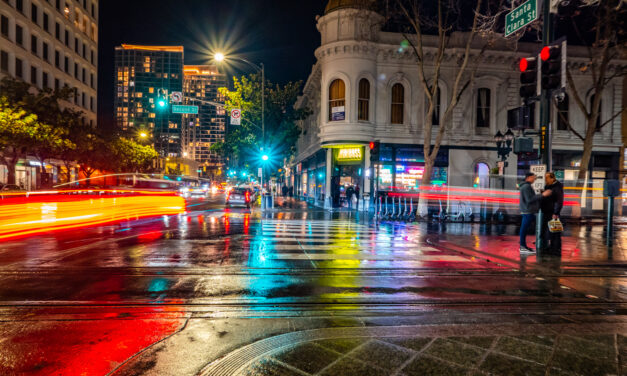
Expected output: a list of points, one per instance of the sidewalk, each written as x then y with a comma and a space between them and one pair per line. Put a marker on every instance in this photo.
576, 250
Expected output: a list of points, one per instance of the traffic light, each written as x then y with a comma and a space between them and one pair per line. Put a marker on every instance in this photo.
528, 77
553, 69
162, 98
374, 151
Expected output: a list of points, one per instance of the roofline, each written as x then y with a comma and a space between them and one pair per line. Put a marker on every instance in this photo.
151, 48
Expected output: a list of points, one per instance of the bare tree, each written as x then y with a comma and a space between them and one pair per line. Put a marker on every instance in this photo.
443, 34
600, 26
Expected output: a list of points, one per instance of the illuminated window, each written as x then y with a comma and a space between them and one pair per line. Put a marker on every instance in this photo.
151, 90
482, 176
398, 104
337, 100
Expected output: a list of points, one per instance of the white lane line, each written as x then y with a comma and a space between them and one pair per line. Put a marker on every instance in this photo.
374, 257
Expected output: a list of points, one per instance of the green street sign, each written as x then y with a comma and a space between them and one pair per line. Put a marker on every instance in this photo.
521, 16
179, 109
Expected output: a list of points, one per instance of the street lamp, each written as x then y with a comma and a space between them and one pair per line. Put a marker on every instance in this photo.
143, 135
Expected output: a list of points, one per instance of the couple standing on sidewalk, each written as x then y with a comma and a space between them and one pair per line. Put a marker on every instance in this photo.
550, 202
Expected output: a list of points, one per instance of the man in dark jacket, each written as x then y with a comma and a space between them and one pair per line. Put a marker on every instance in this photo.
551, 206
529, 205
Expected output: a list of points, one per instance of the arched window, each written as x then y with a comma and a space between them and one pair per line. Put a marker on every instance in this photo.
398, 104
482, 176
562, 114
363, 107
483, 108
337, 99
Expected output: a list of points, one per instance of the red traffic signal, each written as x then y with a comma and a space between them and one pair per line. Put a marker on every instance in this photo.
371, 145
528, 77
552, 66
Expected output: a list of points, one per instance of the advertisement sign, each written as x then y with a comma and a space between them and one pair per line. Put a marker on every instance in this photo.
338, 113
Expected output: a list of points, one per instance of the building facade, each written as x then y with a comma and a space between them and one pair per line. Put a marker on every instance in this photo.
51, 44
365, 87
200, 88
146, 76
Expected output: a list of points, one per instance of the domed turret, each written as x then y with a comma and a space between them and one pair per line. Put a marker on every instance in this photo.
340, 4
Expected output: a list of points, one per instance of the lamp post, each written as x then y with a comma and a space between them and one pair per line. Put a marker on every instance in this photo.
503, 148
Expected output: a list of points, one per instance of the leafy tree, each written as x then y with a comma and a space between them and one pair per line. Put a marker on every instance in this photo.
17, 131
132, 156
281, 129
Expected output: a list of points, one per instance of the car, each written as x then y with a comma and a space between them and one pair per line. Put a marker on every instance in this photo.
239, 196
11, 188
198, 191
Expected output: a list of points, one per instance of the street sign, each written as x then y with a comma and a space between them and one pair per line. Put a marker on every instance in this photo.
236, 116
521, 16
539, 171
179, 109
501, 166
177, 97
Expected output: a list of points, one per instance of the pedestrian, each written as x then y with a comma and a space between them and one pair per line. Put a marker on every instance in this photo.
349, 196
284, 190
529, 205
551, 207
357, 197
291, 191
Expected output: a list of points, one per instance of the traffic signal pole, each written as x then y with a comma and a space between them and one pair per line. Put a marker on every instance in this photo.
545, 120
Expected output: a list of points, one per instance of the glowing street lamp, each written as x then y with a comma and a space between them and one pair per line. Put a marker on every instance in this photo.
219, 56
265, 157
143, 135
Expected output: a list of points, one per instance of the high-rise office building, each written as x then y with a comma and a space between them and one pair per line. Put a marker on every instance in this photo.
146, 76
51, 44
200, 88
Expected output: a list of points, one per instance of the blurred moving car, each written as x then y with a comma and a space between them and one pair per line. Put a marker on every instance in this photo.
242, 196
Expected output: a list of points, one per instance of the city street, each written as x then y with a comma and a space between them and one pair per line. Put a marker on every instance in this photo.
303, 291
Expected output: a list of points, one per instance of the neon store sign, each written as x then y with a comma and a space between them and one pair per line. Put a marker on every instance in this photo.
349, 154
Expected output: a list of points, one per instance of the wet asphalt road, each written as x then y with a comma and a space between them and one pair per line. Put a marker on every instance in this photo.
171, 295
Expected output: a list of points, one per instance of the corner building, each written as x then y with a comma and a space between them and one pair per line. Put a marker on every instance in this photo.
365, 87
142, 73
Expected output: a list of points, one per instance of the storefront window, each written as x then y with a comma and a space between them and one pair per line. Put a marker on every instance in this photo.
482, 176
408, 178
385, 178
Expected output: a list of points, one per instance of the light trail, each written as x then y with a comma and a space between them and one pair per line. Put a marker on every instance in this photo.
55, 212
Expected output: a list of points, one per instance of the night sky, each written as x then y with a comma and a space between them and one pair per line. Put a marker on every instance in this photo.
280, 33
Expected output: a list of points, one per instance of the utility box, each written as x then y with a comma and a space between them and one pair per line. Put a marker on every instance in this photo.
611, 188
523, 145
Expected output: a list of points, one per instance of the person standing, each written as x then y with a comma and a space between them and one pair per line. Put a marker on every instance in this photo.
529, 205
357, 197
551, 207
349, 196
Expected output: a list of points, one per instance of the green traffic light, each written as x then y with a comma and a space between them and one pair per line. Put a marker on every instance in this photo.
265, 157
161, 103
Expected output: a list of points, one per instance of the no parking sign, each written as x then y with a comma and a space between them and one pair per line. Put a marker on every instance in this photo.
236, 116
